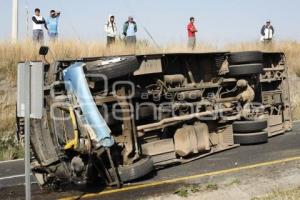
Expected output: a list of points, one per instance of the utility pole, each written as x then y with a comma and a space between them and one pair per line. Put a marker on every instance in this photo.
27, 78
14, 31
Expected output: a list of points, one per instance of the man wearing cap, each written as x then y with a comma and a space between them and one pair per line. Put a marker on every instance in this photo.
267, 32
129, 31
110, 28
52, 24
191, 34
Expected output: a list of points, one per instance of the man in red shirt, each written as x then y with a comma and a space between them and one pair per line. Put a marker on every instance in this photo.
191, 34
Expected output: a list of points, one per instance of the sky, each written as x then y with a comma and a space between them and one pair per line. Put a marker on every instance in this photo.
218, 21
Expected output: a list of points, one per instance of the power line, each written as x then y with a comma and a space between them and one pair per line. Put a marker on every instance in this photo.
27, 19
71, 24
128, 7
148, 33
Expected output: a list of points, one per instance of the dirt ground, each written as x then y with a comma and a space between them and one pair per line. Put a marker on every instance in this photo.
280, 181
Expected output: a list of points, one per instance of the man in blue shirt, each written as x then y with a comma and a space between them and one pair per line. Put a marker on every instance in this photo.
52, 24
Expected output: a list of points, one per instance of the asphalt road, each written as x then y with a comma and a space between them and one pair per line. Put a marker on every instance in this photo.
279, 147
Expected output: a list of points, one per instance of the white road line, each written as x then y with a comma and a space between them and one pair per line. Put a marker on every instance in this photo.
10, 177
7, 161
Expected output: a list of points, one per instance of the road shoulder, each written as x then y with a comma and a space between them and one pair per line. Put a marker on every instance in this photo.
243, 185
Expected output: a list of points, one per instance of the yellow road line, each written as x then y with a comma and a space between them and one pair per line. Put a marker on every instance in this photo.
175, 180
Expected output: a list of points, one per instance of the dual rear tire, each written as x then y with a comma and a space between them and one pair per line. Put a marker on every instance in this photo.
245, 63
250, 132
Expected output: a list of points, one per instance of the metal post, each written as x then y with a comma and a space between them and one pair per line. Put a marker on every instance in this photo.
14, 30
27, 130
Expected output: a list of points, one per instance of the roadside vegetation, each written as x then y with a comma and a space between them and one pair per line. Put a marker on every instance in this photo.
281, 195
11, 54
187, 190
9, 148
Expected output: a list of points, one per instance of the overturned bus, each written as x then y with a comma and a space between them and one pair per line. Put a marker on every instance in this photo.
117, 119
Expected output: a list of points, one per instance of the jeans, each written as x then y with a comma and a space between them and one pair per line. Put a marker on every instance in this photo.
53, 36
110, 41
38, 36
130, 40
267, 41
192, 43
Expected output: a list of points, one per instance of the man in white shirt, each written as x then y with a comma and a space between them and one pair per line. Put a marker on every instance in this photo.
129, 31
37, 26
110, 28
267, 32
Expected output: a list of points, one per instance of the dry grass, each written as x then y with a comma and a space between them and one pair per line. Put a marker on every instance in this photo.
281, 195
9, 148
11, 54
290, 48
